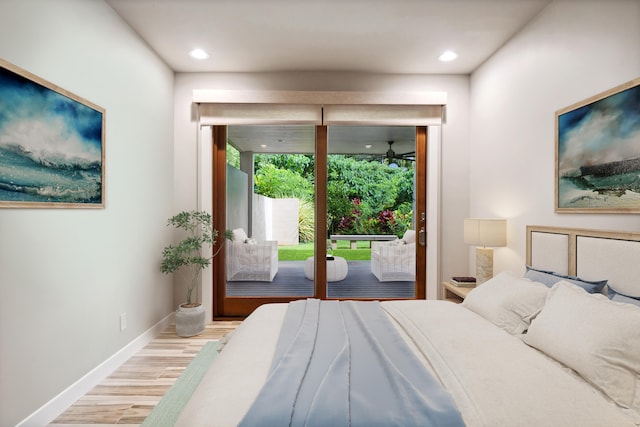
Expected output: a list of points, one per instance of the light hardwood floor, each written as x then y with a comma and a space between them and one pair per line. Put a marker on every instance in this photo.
128, 395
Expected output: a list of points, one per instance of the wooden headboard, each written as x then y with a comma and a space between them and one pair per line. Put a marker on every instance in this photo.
588, 254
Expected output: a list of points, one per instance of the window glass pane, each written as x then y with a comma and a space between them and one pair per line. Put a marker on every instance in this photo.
370, 205
270, 205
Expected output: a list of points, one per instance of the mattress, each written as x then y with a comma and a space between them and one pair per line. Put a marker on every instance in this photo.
494, 378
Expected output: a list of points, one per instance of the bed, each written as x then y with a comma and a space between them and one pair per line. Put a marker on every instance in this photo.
556, 346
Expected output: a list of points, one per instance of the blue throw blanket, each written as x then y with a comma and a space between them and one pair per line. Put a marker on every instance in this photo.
342, 363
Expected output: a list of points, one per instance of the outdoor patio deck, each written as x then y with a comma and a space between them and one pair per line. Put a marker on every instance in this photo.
290, 281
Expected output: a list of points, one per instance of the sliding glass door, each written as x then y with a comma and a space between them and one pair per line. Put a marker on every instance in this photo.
270, 209
324, 212
370, 212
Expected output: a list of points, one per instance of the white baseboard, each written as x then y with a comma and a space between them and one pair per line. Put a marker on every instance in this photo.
56, 406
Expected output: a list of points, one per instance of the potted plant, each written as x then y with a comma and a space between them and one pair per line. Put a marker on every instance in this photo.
188, 254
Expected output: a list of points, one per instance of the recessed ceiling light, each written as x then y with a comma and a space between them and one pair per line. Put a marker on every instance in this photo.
368, 146
447, 56
263, 145
199, 54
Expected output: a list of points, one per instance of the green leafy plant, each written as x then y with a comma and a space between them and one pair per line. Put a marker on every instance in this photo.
361, 220
188, 252
273, 182
306, 216
379, 189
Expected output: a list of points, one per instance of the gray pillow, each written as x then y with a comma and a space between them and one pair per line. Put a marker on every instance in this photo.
550, 278
617, 297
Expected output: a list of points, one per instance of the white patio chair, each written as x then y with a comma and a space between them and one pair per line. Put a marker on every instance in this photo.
395, 261
248, 260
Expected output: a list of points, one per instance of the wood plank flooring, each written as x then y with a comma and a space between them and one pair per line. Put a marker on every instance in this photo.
128, 395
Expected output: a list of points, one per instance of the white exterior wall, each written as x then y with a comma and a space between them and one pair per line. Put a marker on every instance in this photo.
261, 217
284, 221
275, 219
66, 275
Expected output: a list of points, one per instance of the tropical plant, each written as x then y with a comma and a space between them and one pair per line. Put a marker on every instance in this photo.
361, 220
233, 156
300, 164
338, 205
188, 253
306, 216
378, 188
271, 181
404, 218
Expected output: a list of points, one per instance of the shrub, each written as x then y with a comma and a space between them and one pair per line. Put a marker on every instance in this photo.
273, 182
361, 221
306, 216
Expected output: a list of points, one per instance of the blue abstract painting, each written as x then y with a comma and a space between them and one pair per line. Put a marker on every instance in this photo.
598, 153
51, 144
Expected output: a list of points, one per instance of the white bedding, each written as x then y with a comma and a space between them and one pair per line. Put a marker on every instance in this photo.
494, 377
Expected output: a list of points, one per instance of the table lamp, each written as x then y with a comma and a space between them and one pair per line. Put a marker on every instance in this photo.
483, 232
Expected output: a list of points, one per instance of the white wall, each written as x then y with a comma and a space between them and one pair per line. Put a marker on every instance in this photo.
261, 217
571, 51
66, 275
284, 222
454, 150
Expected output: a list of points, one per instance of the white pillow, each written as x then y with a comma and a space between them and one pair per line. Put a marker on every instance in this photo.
597, 338
507, 301
409, 236
239, 235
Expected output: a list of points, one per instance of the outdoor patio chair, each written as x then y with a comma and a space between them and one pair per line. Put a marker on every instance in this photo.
248, 260
395, 261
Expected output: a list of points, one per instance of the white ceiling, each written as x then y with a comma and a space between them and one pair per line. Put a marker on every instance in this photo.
378, 36
371, 36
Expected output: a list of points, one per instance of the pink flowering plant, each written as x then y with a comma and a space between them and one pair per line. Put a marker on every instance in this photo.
363, 221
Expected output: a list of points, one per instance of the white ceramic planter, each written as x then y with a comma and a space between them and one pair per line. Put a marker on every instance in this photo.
190, 320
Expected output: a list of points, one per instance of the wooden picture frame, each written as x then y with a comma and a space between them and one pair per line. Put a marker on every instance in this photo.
597, 158
52, 145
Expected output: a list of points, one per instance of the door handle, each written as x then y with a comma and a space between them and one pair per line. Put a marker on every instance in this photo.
422, 237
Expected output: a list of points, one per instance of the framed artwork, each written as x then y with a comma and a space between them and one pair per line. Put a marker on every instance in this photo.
51, 145
598, 153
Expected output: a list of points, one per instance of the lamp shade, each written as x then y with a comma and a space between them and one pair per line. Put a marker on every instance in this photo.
485, 232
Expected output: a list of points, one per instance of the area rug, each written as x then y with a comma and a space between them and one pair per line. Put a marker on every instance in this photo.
166, 412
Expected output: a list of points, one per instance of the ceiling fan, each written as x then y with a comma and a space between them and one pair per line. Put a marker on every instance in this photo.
391, 155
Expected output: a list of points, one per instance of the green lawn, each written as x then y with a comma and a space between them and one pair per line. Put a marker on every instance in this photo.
304, 250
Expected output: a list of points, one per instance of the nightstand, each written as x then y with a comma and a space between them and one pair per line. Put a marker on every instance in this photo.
451, 292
